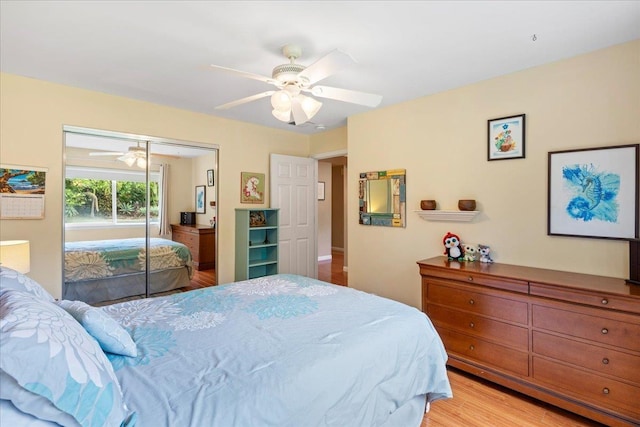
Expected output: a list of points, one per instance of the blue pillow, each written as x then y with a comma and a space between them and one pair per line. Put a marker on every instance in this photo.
11, 279
110, 335
50, 355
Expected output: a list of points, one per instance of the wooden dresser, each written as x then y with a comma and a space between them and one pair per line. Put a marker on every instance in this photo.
569, 339
201, 241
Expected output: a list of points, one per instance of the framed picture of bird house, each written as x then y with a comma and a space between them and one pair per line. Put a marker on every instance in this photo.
505, 138
593, 192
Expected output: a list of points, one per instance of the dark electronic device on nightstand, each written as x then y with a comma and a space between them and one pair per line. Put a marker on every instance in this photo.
187, 218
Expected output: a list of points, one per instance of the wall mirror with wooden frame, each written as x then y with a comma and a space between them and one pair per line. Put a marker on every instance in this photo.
382, 198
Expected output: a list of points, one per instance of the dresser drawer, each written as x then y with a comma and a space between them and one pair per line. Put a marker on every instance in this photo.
514, 285
186, 238
584, 385
587, 325
492, 355
595, 298
499, 305
473, 324
599, 359
189, 240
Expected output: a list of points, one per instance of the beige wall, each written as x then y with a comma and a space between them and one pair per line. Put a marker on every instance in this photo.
329, 141
33, 113
587, 101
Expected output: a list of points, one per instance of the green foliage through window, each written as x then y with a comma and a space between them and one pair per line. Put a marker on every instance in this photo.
92, 200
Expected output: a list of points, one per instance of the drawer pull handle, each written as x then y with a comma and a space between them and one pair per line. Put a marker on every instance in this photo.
604, 331
471, 302
471, 325
470, 279
605, 390
604, 301
471, 347
605, 361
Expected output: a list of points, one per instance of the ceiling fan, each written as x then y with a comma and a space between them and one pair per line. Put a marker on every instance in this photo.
135, 155
293, 79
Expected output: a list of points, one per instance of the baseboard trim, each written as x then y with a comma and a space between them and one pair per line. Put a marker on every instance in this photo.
325, 258
345, 269
333, 248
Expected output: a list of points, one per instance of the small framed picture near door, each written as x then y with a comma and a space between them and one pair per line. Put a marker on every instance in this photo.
201, 199
210, 181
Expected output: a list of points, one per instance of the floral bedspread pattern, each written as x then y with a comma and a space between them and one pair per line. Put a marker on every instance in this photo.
207, 357
97, 259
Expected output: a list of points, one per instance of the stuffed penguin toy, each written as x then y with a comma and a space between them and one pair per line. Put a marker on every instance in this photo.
452, 246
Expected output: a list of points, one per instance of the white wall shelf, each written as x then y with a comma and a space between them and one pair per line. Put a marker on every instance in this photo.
439, 215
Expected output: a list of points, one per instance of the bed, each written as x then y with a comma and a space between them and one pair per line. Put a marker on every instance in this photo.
282, 350
106, 270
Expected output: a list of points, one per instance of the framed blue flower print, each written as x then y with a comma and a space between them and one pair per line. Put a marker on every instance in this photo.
593, 192
505, 138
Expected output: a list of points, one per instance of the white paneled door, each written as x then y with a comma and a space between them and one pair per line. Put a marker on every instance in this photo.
293, 191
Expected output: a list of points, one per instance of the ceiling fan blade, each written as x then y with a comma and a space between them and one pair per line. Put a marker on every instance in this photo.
327, 65
245, 74
347, 95
299, 116
245, 100
107, 153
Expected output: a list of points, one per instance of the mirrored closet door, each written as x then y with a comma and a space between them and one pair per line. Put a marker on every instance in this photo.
139, 216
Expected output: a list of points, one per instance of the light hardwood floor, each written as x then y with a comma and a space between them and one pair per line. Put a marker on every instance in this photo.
479, 403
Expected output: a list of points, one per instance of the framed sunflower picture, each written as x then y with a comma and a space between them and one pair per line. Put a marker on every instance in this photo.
593, 192
506, 137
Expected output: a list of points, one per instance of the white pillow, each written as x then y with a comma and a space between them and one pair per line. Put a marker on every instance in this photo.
112, 337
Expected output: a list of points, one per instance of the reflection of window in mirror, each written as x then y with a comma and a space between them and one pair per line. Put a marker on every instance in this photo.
379, 193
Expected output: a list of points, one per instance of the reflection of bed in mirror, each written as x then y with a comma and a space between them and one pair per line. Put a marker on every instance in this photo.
105, 270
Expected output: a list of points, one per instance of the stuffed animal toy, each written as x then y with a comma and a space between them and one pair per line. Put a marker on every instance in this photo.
484, 251
452, 246
469, 252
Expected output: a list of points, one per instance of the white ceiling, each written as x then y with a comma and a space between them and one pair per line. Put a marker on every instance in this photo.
160, 51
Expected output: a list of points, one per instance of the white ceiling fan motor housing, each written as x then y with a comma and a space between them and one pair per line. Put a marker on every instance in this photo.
288, 73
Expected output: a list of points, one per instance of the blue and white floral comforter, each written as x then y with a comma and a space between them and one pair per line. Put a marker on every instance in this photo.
97, 259
281, 350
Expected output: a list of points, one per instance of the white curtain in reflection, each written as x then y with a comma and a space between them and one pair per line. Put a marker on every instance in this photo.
165, 227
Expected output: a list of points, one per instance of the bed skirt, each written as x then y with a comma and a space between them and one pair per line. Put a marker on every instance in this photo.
108, 289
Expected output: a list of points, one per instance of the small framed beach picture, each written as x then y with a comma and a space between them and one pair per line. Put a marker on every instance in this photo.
505, 138
593, 192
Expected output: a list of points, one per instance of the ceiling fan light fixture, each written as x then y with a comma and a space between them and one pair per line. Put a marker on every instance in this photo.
129, 160
309, 105
281, 101
283, 116
141, 162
